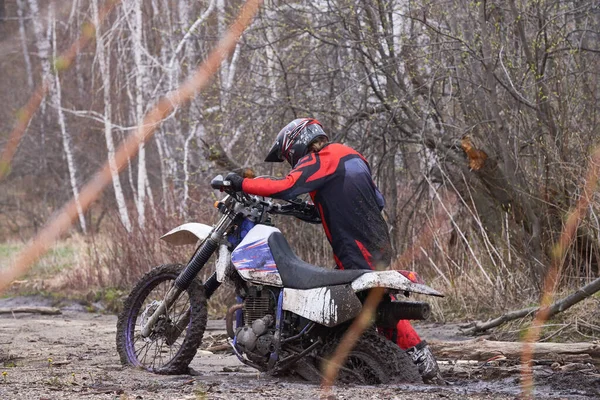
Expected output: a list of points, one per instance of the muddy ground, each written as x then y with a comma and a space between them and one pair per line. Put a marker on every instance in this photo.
73, 356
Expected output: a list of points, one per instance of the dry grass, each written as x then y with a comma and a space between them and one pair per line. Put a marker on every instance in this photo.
50, 273
115, 260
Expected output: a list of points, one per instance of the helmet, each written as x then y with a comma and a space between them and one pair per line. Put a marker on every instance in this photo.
293, 140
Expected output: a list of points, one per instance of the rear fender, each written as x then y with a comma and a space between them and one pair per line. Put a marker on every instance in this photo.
329, 306
391, 280
189, 233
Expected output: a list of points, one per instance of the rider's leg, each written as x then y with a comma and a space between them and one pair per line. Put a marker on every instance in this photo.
408, 339
405, 336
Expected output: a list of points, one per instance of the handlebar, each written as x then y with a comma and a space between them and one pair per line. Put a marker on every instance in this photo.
219, 183
296, 208
299, 209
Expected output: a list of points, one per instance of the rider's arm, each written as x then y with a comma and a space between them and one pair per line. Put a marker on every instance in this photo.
310, 174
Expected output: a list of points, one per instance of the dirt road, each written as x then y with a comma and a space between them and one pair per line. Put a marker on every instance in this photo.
73, 356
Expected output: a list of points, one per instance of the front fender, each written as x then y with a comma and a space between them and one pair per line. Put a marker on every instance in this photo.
188, 233
391, 280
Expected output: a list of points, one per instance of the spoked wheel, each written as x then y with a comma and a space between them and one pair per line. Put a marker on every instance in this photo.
374, 360
174, 339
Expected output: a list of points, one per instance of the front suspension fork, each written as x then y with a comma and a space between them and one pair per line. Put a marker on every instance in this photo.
186, 277
210, 286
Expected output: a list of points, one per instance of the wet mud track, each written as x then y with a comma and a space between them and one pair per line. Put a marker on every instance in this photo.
73, 356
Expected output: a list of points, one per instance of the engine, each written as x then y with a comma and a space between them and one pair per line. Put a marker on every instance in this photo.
257, 304
257, 334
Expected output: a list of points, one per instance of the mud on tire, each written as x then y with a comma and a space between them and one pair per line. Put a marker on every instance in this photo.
140, 299
374, 360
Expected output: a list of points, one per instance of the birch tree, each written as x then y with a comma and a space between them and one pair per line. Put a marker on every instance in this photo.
135, 19
43, 50
55, 93
24, 46
104, 68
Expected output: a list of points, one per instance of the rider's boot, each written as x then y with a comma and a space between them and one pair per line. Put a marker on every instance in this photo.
424, 359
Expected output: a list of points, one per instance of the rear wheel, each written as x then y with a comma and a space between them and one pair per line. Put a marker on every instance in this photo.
175, 337
374, 360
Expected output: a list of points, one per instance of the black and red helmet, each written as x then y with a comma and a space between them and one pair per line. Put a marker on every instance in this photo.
293, 140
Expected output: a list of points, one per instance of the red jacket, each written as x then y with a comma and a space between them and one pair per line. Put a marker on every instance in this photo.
339, 181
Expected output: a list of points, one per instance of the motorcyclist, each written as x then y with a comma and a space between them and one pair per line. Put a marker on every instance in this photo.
339, 181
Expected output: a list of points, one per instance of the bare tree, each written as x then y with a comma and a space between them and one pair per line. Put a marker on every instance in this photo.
55, 93
23, 36
104, 67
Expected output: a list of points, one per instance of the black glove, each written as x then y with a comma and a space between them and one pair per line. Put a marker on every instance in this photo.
236, 181
310, 214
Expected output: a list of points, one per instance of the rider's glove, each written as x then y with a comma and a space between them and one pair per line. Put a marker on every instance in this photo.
236, 181
310, 214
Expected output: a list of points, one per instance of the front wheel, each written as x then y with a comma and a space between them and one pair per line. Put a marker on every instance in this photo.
175, 337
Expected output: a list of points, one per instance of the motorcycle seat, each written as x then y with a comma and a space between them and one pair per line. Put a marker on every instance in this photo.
297, 274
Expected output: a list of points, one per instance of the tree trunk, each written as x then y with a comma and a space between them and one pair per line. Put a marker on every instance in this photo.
482, 350
221, 29
140, 90
270, 36
197, 130
103, 62
43, 54
56, 95
23, 35
31, 310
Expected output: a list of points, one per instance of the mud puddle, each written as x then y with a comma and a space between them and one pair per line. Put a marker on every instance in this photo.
73, 356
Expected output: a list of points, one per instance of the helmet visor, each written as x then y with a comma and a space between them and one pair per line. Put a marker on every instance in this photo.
274, 154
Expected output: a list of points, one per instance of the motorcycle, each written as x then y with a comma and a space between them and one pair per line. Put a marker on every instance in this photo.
290, 315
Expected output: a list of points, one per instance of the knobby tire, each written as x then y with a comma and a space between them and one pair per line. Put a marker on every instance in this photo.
382, 361
128, 319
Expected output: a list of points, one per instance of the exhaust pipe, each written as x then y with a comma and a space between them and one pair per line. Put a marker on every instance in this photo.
229, 319
388, 314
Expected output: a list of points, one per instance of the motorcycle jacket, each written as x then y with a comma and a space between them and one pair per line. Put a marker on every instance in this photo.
340, 184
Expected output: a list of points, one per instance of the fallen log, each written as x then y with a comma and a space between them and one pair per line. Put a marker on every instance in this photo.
483, 349
220, 347
32, 310
557, 307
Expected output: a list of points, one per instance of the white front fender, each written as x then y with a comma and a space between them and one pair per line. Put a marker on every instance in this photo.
188, 233
391, 280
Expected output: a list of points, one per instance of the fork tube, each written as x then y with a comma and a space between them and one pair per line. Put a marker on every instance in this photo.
211, 285
203, 254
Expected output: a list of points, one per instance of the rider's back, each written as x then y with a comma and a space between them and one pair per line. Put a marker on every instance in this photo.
350, 206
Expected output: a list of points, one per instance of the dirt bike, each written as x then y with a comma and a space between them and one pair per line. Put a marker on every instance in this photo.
290, 316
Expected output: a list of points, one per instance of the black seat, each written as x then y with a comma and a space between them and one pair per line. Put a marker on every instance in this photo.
297, 274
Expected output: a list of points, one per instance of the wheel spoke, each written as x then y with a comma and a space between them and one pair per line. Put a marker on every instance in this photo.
139, 351
150, 353
145, 353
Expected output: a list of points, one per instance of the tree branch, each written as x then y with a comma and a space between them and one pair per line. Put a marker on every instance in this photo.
555, 308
